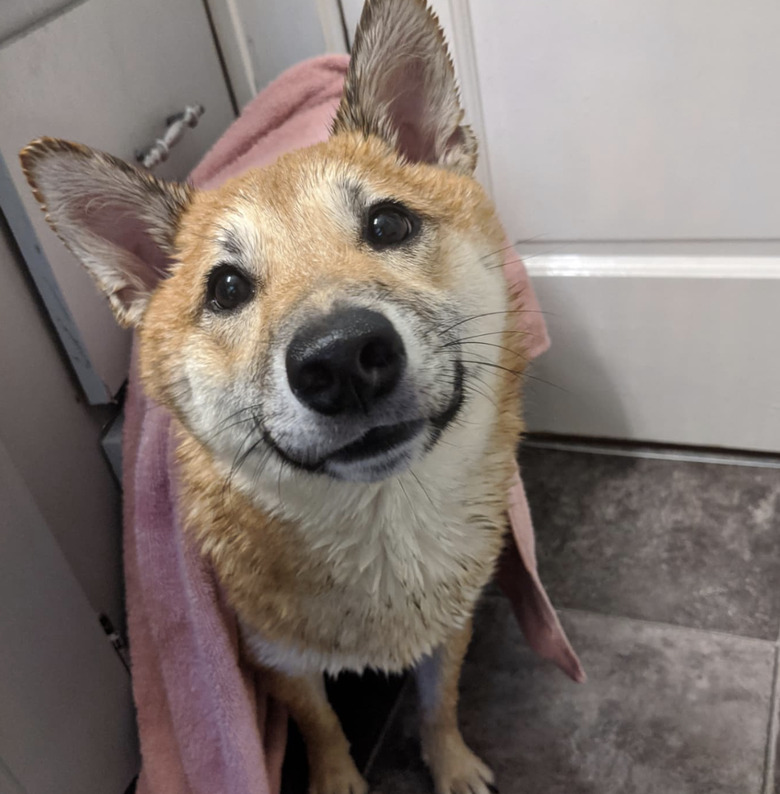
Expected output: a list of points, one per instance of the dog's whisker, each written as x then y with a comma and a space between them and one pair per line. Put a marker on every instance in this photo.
224, 428
473, 388
518, 374
461, 342
521, 241
473, 317
238, 461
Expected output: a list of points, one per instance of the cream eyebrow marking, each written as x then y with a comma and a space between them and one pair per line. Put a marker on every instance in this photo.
228, 240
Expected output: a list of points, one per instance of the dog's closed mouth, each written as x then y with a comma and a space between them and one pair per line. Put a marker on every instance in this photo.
377, 441
383, 440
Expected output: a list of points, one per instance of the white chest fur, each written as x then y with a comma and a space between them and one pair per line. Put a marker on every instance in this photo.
407, 559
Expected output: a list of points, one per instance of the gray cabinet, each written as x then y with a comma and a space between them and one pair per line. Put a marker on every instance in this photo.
106, 73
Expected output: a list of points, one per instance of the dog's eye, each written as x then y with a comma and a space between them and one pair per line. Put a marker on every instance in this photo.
228, 288
390, 224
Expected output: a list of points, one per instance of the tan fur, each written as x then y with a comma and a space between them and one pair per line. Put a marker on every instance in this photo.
453, 766
278, 585
325, 574
281, 587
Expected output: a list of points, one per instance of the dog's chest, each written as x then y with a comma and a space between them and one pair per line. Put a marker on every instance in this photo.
400, 571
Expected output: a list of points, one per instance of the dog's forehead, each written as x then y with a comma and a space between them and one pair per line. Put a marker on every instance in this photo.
313, 200
270, 198
349, 167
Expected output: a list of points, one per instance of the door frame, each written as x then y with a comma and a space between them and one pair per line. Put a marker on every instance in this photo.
231, 34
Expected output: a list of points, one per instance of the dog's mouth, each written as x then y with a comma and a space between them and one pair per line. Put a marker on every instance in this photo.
382, 440
383, 449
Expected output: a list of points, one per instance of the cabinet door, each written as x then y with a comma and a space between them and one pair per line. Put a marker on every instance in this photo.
106, 73
66, 712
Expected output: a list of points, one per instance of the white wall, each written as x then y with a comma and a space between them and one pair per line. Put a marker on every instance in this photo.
632, 120
685, 357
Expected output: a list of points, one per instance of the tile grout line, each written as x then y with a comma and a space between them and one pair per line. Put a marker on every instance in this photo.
773, 726
770, 759
667, 625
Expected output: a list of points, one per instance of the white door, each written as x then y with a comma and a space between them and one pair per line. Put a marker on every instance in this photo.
66, 713
633, 146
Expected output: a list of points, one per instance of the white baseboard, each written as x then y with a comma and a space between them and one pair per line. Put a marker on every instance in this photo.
679, 350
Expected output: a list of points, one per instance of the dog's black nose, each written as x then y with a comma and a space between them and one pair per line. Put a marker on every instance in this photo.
345, 361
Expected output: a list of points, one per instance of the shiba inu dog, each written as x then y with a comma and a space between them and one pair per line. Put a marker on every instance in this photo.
337, 343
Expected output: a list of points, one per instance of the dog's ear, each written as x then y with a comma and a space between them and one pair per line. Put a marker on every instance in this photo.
401, 86
119, 221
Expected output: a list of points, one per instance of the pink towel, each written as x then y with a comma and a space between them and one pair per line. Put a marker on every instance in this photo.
205, 723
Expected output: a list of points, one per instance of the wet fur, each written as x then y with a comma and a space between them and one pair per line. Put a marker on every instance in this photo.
346, 574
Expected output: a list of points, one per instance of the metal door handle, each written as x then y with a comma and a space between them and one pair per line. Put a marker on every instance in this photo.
158, 152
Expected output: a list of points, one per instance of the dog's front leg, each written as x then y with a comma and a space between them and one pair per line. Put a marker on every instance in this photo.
331, 768
455, 769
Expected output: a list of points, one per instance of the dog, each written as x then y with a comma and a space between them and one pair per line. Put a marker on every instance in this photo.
336, 342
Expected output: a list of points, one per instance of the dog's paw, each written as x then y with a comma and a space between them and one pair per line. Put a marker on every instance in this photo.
338, 778
455, 769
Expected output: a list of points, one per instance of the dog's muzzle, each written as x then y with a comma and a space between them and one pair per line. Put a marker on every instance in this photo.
349, 371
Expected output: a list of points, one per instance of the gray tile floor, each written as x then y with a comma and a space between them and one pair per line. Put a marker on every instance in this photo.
667, 574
